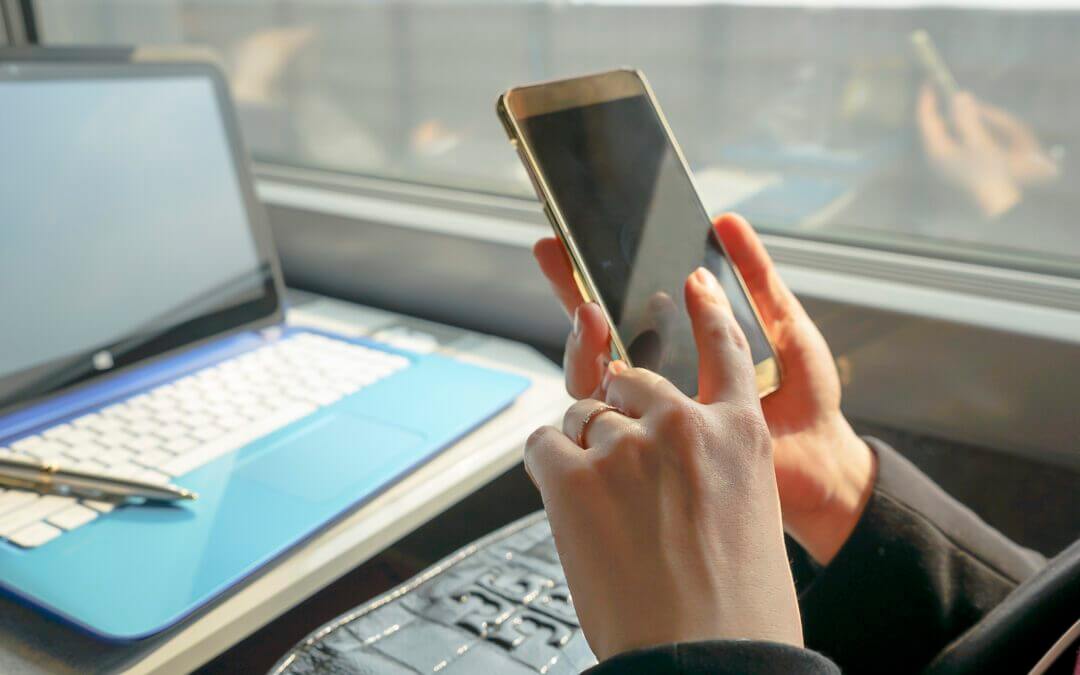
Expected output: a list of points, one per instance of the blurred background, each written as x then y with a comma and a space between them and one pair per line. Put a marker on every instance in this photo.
815, 120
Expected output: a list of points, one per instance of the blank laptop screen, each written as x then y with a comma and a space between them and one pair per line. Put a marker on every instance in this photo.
123, 221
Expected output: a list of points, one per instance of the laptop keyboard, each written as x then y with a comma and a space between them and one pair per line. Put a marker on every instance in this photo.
175, 428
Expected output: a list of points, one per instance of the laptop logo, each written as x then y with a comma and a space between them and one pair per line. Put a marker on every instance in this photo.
103, 360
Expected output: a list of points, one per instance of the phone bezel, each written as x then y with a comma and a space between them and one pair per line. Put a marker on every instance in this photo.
520, 103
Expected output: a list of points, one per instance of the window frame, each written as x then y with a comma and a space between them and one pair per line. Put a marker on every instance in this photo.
17, 23
972, 293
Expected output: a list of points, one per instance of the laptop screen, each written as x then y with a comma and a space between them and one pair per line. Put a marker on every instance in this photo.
129, 227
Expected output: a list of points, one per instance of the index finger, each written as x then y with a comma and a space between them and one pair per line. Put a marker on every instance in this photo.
555, 265
548, 454
726, 367
936, 138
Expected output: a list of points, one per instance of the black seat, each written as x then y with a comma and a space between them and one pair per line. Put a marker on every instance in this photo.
1018, 632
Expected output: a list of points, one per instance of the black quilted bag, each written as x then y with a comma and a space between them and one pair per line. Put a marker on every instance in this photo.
498, 606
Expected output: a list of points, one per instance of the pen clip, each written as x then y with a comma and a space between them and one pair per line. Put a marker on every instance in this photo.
19, 483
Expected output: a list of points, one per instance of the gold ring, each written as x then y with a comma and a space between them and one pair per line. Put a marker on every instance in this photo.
593, 414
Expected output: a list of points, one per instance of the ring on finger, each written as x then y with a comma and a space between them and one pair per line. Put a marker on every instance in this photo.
589, 417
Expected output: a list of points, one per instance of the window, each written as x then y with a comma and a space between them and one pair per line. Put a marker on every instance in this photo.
812, 118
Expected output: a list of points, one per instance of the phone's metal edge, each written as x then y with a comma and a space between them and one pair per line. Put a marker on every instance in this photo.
584, 91
582, 277
769, 372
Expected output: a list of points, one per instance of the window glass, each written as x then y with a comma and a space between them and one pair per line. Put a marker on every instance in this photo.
824, 120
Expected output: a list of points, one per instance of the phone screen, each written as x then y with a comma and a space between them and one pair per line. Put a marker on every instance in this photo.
639, 226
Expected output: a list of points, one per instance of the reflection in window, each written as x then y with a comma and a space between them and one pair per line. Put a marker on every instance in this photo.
819, 121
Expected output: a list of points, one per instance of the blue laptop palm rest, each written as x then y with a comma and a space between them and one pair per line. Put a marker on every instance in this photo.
142, 568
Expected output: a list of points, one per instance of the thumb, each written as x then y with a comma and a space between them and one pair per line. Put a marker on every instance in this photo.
725, 367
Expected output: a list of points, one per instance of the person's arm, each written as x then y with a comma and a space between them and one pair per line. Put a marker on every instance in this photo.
918, 569
718, 657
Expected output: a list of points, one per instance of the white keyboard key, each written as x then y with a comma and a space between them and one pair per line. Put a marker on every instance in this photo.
143, 427
48, 450
114, 439
178, 445
104, 425
197, 420
72, 517
14, 499
88, 465
255, 411
143, 444
124, 470
75, 437
153, 458
28, 443
137, 413
57, 431
161, 403
35, 535
194, 408
172, 431
115, 457
208, 432
223, 409
151, 476
219, 396
235, 440
84, 451
31, 512
99, 506
169, 416
241, 401
230, 422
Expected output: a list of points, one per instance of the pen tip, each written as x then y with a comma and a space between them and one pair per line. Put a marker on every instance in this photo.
188, 494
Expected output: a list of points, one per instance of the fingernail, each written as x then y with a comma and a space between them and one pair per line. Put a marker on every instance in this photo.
608, 374
706, 279
577, 321
613, 369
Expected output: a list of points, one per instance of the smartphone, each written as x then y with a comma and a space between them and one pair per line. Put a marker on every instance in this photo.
620, 196
928, 56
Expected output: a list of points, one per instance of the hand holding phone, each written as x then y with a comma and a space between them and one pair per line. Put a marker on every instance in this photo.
824, 471
620, 197
985, 150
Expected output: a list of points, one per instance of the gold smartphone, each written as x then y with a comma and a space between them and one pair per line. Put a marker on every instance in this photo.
620, 196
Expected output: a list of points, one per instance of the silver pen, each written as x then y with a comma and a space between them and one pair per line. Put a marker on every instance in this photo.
31, 474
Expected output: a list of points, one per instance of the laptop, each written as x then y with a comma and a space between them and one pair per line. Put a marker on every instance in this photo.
144, 337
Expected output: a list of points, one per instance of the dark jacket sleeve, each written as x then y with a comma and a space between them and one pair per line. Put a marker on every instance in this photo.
918, 570
718, 657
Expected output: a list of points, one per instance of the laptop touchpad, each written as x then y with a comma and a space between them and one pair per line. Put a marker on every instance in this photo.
336, 453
